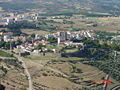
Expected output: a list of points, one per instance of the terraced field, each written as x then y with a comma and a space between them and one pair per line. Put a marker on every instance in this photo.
68, 74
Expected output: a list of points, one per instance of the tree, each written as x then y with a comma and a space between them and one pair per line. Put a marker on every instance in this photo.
33, 35
40, 46
2, 44
52, 40
115, 46
91, 43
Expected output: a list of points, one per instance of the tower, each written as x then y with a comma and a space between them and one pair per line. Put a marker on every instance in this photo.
58, 38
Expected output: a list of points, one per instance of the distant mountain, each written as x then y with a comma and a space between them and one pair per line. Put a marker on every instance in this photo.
71, 6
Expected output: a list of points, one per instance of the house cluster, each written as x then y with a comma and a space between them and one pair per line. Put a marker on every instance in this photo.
32, 46
63, 37
8, 17
7, 36
66, 36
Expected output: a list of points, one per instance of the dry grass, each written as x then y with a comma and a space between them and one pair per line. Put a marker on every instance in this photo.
31, 31
47, 78
15, 80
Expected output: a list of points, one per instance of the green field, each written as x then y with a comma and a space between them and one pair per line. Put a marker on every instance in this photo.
4, 54
71, 50
18, 6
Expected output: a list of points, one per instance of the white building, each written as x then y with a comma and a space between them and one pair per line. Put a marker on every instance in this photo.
7, 38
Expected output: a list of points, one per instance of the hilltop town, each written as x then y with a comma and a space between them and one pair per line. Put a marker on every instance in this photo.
58, 52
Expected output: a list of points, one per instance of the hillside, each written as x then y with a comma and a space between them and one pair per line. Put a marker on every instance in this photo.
71, 6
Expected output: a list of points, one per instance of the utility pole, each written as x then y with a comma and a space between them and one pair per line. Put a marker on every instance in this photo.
19, 51
10, 46
115, 54
108, 75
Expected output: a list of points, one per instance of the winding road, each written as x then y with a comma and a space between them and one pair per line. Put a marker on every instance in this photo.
30, 87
